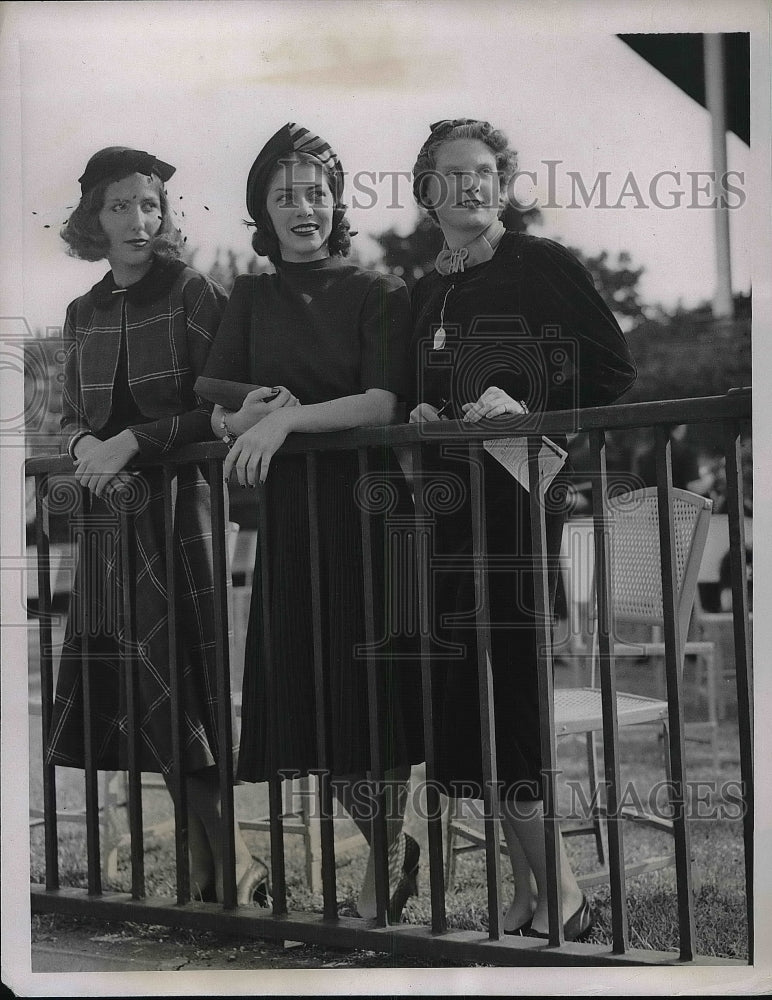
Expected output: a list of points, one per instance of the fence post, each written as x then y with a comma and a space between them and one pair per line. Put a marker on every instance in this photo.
324, 799
178, 782
743, 653
608, 684
544, 668
433, 812
129, 581
42, 522
485, 691
676, 749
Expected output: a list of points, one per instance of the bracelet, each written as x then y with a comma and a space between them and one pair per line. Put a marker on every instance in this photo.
73, 441
227, 437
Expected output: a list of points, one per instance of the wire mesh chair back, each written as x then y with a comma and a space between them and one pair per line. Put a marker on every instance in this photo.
634, 553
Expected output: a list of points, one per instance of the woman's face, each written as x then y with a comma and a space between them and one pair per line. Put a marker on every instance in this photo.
465, 189
131, 216
300, 205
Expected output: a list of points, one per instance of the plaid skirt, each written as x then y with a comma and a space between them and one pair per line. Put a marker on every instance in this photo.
95, 631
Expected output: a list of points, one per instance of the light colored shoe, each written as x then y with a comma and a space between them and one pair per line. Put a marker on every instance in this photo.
253, 887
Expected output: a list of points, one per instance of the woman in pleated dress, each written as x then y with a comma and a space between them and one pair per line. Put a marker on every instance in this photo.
330, 338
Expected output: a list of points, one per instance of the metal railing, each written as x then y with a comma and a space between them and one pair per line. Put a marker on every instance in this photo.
438, 942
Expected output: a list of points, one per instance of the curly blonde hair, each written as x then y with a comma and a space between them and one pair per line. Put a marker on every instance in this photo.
86, 239
426, 162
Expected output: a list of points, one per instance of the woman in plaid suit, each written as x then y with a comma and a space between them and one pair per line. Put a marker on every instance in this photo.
138, 340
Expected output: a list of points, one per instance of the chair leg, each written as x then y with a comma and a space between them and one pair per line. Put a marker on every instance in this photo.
666, 751
592, 773
310, 811
114, 795
710, 666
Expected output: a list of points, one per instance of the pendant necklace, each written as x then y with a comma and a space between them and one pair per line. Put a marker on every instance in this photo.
439, 335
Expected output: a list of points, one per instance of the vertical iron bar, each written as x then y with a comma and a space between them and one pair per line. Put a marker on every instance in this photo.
42, 533
178, 782
485, 688
743, 652
608, 687
326, 829
433, 809
133, 743
222, 664
278, 878
90, 774
378, 844
544, 669
673, 647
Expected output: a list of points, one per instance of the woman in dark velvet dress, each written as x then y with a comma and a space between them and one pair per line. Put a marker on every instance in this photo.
506, 324
138, 340
332, 339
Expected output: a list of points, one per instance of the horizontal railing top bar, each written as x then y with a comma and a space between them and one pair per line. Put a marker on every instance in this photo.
734, 405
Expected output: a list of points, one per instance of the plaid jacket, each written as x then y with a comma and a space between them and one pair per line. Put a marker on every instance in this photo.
171, 316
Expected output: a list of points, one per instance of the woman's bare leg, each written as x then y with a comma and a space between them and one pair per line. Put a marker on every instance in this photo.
524, 901
525, 822
204, 802
205, 834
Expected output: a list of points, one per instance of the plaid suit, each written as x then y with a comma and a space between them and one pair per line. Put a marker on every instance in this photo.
168, 319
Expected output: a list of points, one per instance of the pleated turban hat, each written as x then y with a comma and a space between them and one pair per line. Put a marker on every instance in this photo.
291, 138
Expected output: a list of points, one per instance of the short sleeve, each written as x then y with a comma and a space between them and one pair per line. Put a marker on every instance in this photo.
228, 357
385, 335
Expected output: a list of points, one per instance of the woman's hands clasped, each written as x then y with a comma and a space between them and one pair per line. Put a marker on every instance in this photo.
98, 464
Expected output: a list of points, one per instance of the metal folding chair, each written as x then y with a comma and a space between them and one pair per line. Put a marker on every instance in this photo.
636, 599
636, 596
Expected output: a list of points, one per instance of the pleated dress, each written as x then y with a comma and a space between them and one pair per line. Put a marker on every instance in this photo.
530, 322
324, 329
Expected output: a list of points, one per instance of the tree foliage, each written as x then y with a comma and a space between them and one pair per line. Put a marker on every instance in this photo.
617, 282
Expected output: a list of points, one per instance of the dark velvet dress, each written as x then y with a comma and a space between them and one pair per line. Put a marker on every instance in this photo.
530, 322
134, 356
324, 329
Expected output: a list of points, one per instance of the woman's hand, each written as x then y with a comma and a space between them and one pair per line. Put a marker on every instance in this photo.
494, 402
425, 413
253, 450
257, 405
97, 465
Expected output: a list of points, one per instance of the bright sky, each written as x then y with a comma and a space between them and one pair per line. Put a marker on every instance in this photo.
203, 85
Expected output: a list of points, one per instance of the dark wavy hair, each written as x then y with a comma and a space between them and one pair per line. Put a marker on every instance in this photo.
265, 242
426, 162
86, 239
